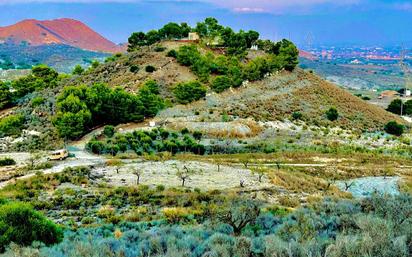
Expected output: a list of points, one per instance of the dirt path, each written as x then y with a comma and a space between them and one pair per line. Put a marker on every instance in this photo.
82, 159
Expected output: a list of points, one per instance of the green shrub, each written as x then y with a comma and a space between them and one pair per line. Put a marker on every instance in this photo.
109, 131
11, 125
5, 95
394, 128
332, 114
221, 83
172, 53
150, 69
134, 68
159, 49
37, 101
188, 92
7, 162
395, 106
297, 115
20, 224
78, 70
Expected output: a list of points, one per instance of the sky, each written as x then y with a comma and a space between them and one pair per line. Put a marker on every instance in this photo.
316, 22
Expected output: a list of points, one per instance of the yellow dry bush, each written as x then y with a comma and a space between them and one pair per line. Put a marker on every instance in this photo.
117, 234
178, 214
113, 162
136, 214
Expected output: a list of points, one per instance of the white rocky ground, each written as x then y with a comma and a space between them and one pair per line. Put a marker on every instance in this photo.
205, 175
362, 187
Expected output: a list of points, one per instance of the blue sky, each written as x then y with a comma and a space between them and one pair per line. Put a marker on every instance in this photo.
361, 22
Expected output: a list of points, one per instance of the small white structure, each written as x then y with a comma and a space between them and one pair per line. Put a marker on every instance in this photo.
254, 47
193, 36
152, 124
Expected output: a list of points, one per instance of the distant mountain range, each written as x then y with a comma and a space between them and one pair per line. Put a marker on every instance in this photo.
60, 31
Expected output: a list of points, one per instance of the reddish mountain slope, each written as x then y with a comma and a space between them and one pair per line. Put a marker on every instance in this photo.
60, 31
307, 55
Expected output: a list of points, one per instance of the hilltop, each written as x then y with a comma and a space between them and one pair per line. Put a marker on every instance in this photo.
59, 31
275, 97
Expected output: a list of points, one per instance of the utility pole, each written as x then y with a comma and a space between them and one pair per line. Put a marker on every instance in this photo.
309, 41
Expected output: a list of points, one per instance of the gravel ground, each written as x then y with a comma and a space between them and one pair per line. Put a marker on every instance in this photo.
363, 187
205, 177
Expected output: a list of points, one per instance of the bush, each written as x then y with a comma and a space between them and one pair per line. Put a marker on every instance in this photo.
78, 70
188, 92
172, 53
395, 106
108, 131
7, 162
221, 83
176, 214
332, 114
37, 101
394, 128
134, 68
159, 49
297, 115
11, 125
20, 224
150, 69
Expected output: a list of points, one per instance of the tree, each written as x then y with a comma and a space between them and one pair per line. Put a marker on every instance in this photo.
197, 135
78, 70
136, 40
150, 69
221, 83
289, 54
152, 37
150, 99
407, 108
260, 171
41, 77
109, 131
20, 224
394, 128
188, 92
188, 55
395, 106
5, 95
332, 114
171, 31
11, 125
34, 158
72, 125
239, 213
183, 174
138, 173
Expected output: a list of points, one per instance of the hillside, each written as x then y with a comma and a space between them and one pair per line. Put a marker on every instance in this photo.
274, 98
60, 31
62, 58
278, 96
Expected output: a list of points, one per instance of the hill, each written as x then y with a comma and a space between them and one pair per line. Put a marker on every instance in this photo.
60, 57
277, 97
60, 31
273, 98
